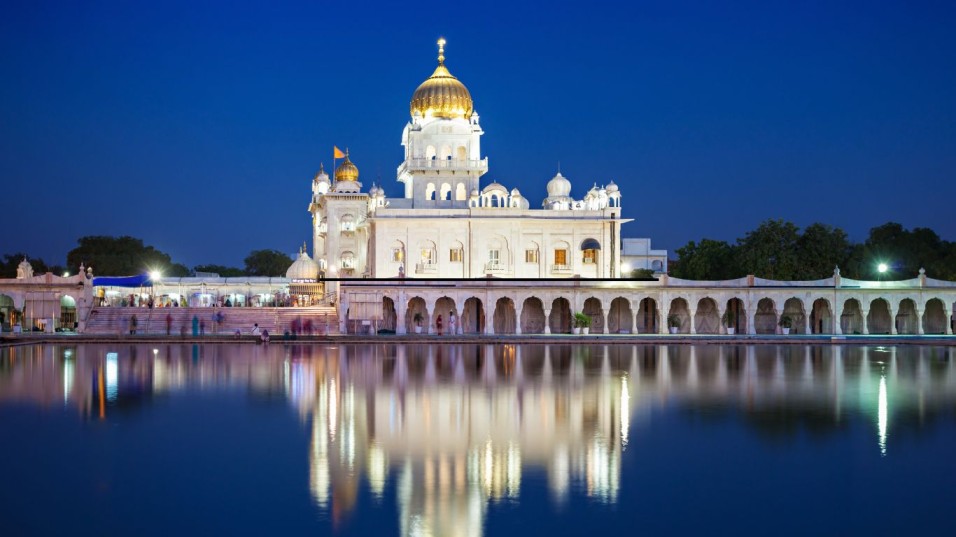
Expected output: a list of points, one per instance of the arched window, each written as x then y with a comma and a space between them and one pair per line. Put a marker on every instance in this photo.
445, 192
430, 152
430, 191
589, 249
347, 261
347, 223
460, 192
462, 153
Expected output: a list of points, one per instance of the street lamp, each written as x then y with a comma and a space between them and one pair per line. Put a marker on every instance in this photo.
882, 268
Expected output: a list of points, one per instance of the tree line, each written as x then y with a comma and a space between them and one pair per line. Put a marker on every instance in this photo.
780, 250
125, 256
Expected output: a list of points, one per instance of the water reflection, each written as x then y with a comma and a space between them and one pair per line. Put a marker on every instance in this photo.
454, 429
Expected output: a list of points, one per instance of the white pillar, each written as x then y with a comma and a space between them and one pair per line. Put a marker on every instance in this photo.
693, 321
547, 320
866, 327
919, 321
518, 318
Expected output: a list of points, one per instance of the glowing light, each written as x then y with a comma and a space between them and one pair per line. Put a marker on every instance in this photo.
66, 274
882, 414
882, 268
112, 376
625, 412
155, 276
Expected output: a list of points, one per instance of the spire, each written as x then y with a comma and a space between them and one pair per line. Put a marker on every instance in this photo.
441, 51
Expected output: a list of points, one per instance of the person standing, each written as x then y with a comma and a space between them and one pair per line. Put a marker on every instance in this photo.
195, 325
169, 323
452, 323
132, 325
438, 324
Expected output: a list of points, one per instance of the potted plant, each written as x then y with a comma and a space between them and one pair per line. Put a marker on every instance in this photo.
785, 323
582, 322
418, 322
673, 323
729, 319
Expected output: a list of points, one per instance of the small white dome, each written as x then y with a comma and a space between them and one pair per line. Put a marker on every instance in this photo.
474, 193
559, 186
321, 176
495, 187
515, 193
303, 268
611, 187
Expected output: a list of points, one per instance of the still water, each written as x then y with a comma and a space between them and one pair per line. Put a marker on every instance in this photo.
476, 440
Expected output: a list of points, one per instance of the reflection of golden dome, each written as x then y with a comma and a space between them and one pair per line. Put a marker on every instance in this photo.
442, 95
346, 171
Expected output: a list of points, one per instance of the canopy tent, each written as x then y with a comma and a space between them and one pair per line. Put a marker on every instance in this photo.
140, 280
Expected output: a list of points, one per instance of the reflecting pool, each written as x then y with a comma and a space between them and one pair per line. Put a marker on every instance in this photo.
476, 439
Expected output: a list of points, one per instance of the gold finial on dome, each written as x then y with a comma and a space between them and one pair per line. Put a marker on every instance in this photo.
442, 95
346, 171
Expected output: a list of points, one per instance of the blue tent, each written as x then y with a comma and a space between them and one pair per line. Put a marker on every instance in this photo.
139, 280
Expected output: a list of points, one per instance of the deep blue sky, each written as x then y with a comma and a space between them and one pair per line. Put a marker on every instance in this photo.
198, 126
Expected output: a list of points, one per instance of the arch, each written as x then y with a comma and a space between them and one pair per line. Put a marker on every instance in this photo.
851, 320
657, 265
430, 191
821, 318
397, 254
460, 194
445, 193
620, 318
444, 306
934, 317
647, 317
878, 321
416, 305
427, 253
707, 318
445, 153
532, 316
793, 308
737, 315
7, 309
389, 315
765, 320
907, 321
505, 316
560, 319
593, 309
67, 312
430, 152
473, 316
461, 153
679, 312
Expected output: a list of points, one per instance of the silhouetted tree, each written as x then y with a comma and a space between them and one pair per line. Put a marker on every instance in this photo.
267, 263
120, 256
708, 260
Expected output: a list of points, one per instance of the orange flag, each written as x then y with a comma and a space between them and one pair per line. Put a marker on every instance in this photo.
337, 153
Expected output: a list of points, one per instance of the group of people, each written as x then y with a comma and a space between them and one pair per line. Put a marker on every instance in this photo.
452, 324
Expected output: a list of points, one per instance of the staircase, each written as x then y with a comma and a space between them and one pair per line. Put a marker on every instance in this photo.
110, 320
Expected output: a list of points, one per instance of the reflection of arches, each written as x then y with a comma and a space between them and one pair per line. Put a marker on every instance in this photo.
416, 305
445, 192
707, 320
620, 318
738, 315
472, 317
532, 316
389, 316
560, 319
680, 309
851, 321
878, 321
821, 319
647, 317
460, 194
765, 320
907, 322
793, 308
934, 317
593, 309
504, 317
444, 306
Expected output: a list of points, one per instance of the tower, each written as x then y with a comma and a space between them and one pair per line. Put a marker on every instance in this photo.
443, 160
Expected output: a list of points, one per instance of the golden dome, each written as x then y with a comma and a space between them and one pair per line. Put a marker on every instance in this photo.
346, 171
442, 95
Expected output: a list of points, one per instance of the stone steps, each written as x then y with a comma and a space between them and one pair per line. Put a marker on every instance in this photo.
110, 320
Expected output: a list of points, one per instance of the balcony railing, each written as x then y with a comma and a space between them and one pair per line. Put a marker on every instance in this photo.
418, 164
561, 269
426, 268
494, 267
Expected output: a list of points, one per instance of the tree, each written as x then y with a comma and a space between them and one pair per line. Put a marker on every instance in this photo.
821, 248
904, 252
8, 267
224, 271
770, 251
267, 263
709, 260
120, 256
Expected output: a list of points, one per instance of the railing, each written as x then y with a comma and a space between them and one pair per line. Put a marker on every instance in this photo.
439, 164
496, 267
426, 268
560, 269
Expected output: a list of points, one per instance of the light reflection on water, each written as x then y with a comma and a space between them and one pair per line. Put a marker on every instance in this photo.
455, 429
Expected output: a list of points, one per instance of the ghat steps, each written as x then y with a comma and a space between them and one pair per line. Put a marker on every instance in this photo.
113, 320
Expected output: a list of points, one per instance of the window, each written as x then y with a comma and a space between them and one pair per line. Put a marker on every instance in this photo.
560, 257
397, 255
494, 257
348, 223
428, 256
530, 256
455, 255
590, 256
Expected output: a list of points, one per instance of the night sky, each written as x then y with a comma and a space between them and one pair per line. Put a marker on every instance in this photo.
199, 128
